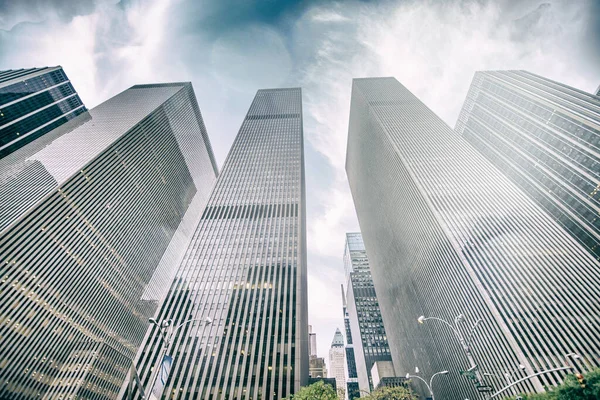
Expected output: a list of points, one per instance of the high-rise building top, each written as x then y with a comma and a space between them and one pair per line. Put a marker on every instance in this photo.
598, 91
33, 102
245, 269
364, 317
448, 234
545, 137
106, 208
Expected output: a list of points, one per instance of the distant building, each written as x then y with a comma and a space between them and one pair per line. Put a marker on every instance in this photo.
336, 363
598, 91
33, 102
384, 375
352, 387
545, 137
316, 364
364, 317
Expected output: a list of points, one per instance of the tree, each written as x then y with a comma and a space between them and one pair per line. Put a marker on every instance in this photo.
391, 393
316, 391
571, 389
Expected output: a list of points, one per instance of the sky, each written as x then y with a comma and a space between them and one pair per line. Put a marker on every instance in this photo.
229, 49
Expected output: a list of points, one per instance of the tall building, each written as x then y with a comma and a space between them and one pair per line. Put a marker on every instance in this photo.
336, 363
33, 102
366, 324
448, 234
598, 91
105, 204
545, 136
352, 387
245, 268
316, 364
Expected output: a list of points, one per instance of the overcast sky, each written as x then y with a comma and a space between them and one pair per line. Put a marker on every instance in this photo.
230, 48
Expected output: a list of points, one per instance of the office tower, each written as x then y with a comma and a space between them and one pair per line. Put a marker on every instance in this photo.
336, 363
316, 364
352, 387
366, 325
110, 203
33, 102
245, 269
545, 137
598, 91
448, 234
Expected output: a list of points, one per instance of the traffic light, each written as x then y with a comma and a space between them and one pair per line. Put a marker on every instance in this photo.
580, 379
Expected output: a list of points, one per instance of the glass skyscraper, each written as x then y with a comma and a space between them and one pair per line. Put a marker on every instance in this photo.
545, 136
448, 234
364, 316
32, 103
106, 204
245, 269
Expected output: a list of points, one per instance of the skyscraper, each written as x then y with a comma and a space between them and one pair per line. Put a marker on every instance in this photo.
336, 363
110, 199
447, 235
352, 387
545, 136
598, 91
32, 103
366, 324
245, 268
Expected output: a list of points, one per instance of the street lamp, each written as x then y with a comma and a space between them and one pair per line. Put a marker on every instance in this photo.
430, 384
464, 342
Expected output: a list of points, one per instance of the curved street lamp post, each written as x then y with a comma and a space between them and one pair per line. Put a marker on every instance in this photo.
430, 384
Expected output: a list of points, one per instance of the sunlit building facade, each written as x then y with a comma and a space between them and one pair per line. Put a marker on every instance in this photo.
545, 136
337, 363
33, 102
245, 269
447, 233
366, 325
111, 199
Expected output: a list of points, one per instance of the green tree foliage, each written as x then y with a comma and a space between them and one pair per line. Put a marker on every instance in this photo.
316, 391
571, 389
391, 393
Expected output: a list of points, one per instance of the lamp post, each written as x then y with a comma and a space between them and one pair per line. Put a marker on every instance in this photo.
166, 337
465, 343
430, 384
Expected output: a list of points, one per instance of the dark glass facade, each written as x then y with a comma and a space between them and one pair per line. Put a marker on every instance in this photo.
364, 316
85, 266
352, 387
245, 268
545, 136
33, 102
447, 234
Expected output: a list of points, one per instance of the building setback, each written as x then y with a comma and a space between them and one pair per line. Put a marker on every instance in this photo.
33, 102
110, 199
337, 364
352, 387
448, 234
545, 137
245, 269
364, 316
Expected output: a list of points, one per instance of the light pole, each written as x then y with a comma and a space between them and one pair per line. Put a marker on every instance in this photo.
166, 338
465, 343
430, 384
